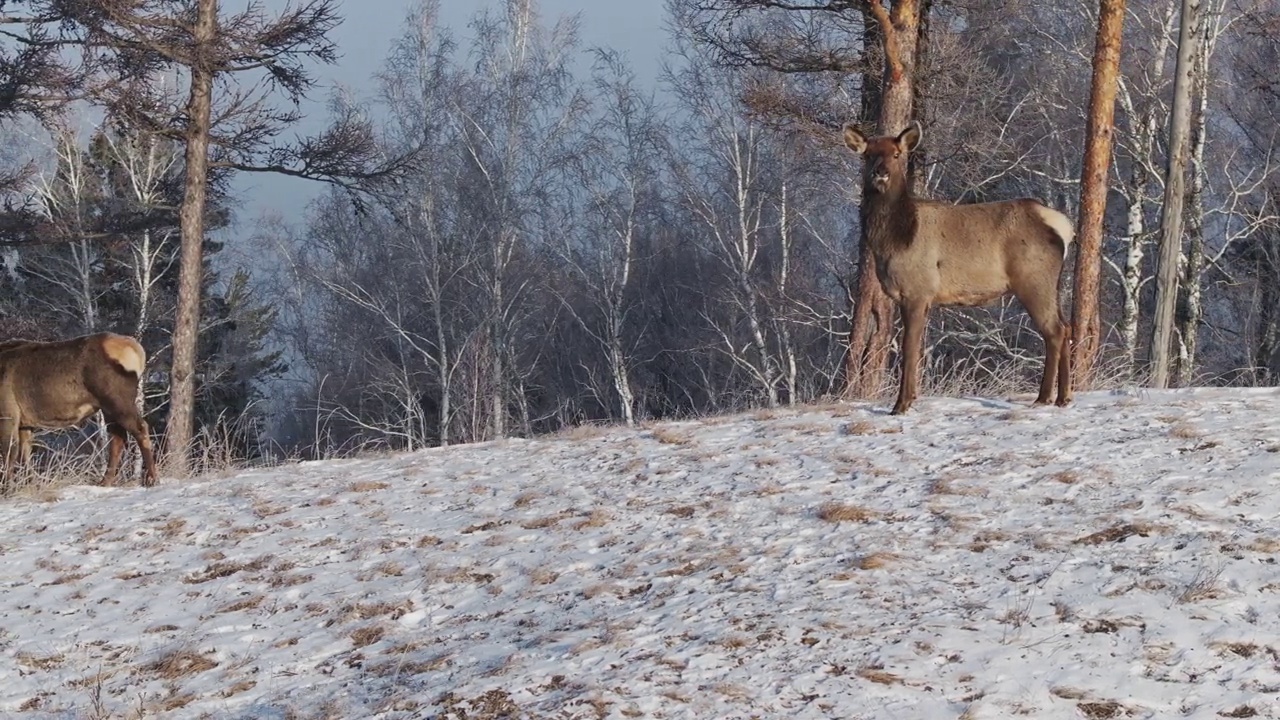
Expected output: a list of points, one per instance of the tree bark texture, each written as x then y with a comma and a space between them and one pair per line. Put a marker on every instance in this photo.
186, 330
1174, 192
872, 331
1099, 133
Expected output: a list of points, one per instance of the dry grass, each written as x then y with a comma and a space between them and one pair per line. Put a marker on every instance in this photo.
369, 611
946, 486
32, 661
247, 603
402, 666
237, 688
671, 436
361, 486
837, 512
597, 518
387, 568
546, 521
860, 427
1102, 709
586, 431
1186, 431
367, 635
878, 676
1066, 477
1204, 585
221, 569
1116, 533
543, 576
180, 663
874, 561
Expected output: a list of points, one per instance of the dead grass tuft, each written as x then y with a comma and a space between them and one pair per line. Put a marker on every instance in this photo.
1240, 649
180, 663
860, 427
946, 486
225, 569
1202, 586
33, 661
1185, 431
247, 603
367, 635
874, 561
597, 518
1102, 709
878, 676
1066, 477
401, 667
544, 522
837, 512
543, 576
369, 611
280, 580
386, 568
237, 688
681, 511
1243, 711
671, 436
1116, 533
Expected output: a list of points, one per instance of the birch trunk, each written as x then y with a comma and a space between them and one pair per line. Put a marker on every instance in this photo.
1174, 197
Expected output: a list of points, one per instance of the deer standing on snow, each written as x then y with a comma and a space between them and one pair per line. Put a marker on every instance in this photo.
930, 253
60, 384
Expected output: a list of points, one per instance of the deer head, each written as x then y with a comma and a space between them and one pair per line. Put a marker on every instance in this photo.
884, 158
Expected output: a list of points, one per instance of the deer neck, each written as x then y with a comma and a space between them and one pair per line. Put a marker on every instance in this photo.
889, 218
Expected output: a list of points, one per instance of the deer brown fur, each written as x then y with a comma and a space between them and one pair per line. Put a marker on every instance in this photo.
931, 253
48, 385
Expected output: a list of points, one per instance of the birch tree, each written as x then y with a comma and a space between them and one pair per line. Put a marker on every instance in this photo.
1171, 220
619, 174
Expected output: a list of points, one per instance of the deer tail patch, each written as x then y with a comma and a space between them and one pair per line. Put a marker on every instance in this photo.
1060, 225
126, 353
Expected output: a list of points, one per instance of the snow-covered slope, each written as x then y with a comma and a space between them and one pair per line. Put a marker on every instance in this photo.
973, 559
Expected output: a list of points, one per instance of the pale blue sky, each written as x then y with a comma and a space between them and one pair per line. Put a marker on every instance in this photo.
635, 27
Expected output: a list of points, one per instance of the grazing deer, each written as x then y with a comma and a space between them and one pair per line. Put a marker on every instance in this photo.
60, 384
933, 253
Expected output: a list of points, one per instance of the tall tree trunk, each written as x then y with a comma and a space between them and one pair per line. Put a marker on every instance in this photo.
872, 329
1138, 184
1192, 302
1174, 191
1086, 326
186, 328
1267, 301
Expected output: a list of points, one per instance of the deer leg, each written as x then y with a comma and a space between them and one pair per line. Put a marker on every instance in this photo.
1064, 368
1044, 315
142, 436
10, 450
914, 319
25, 437
114, 449
10, 440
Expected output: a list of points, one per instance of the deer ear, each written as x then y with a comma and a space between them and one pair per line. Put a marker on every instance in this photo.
856, 141
910, 137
